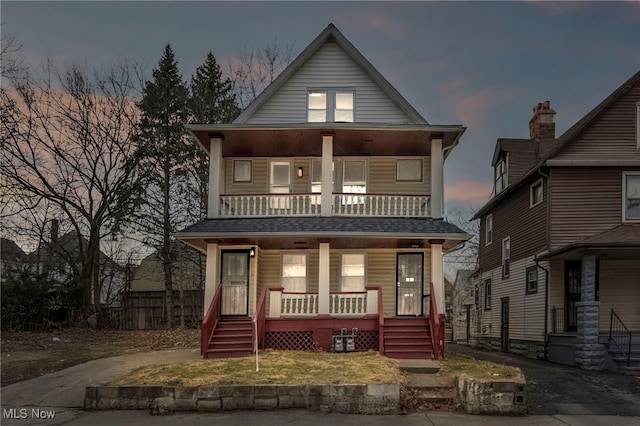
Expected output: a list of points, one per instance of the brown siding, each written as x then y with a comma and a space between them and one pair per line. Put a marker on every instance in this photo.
520, 163
514, 218
585, 201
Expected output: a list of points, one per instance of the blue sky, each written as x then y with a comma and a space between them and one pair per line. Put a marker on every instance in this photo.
480, 64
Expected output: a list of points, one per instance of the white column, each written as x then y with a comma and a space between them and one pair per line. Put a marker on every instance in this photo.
324, 279
212, 275
275, 303
215, 177
437, 277
437, 179
327, 175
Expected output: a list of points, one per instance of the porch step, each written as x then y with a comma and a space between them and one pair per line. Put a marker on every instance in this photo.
232, 338
407, 338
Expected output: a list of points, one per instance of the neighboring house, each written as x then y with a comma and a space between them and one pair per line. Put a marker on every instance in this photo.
12, 258
464, 310
144, 303
325, 213
560, 239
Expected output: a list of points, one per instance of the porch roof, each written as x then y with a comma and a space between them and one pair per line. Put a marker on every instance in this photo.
307, 232
620, 242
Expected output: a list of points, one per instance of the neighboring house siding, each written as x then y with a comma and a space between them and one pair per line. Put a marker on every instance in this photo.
519, 164
611, 136
508, 220
622, 279
329, 67
585, 201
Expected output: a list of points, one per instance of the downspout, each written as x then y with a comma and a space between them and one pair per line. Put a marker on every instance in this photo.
546, 271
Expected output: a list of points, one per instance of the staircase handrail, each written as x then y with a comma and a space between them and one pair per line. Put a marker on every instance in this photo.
210, 320
620, 335
380, 322
437, 331
259, 318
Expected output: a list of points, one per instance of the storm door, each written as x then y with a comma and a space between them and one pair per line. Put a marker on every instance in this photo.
573, 291
235, 283
409, 284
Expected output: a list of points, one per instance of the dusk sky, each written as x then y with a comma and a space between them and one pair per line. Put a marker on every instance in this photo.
483, 65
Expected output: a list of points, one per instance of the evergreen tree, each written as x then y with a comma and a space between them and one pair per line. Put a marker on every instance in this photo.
165, 150
212, 98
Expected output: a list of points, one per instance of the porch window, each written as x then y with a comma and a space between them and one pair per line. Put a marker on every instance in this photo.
532, 280
631, 199
409, 170
488, 224
487, 295
500, 176
294, 273
506, 256
352, 275
241, 171
354, 180
535, 193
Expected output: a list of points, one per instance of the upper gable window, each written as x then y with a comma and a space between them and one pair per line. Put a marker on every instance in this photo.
331, 105
500, 176
631, 196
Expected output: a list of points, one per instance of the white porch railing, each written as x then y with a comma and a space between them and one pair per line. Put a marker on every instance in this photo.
356, 304
362, 205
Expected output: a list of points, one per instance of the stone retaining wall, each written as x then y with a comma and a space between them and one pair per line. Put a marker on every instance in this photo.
493, 397
352, 399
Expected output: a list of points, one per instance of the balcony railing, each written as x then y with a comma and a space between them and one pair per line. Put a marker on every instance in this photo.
353, 304
342, 204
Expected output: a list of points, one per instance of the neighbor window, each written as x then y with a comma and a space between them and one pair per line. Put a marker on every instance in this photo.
477, 295
488, 223
294, 273
487, 295
631, 197
506, 256
330, 105
241, 171
535, 193
500, 176
532, 280
352, 272
409, 170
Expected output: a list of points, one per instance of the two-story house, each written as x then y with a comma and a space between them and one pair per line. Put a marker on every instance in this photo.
325, 214
559, 270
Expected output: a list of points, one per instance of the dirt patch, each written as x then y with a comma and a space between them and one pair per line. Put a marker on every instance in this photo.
26, 355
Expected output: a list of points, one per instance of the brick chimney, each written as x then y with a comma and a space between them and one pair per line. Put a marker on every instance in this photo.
542, 124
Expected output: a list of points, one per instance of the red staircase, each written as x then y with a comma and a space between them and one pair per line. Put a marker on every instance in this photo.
407, 338
231, 338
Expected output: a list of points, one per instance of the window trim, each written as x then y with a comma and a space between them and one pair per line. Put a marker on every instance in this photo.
532, 202
625, 175
488, 226
418, 180
487, 294
506, 258
330, 103
528, 289
306, 269
250, 180
364, 264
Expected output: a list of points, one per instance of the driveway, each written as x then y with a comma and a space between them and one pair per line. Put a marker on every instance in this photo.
558, 389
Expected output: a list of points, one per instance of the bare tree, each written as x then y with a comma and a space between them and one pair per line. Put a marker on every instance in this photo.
67, 153
467, 256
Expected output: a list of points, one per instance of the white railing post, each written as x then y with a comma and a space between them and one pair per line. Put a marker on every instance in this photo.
275, 303
372, 301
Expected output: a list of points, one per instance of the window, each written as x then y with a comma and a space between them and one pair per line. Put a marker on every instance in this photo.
294, 273
477, 295
241, 171
488, 223
280, 183
501, 176
532, 280
352, 272
330, 106
409, 170
535, 193
487, 295
631, 197
354, 180
506, 256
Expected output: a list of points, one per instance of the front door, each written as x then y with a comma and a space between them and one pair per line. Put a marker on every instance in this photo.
409, 284
504, 325
235, 282
573, 293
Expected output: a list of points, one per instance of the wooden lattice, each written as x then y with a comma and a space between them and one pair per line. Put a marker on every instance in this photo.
365, 340
289, 340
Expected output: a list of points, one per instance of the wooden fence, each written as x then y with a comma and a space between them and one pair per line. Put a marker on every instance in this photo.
146, 309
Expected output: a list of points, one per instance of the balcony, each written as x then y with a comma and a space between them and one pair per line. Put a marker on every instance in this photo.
310, 204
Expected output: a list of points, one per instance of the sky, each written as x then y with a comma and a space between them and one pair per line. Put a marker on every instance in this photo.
483, 65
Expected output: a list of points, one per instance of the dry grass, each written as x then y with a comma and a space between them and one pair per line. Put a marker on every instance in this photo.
276, 367
457, 365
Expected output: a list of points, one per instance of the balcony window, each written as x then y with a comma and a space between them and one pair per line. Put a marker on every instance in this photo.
409, 170
294, 273
241, 171
330, 105
354, 180
631, 196
352, 275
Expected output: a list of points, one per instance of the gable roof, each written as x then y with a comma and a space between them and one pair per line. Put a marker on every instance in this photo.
331, 33
561, 143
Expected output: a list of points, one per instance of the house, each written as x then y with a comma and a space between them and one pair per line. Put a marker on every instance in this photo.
559, 252
325, 214
12, 258
144, 302
464, 310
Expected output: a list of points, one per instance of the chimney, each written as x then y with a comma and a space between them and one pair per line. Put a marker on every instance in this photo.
55, 225
542, 125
